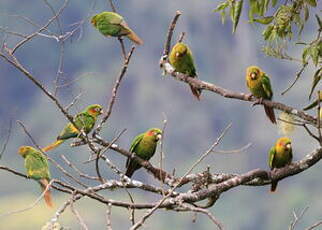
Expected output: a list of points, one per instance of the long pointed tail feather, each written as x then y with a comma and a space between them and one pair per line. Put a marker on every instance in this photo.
47, 195
196, 92
270, 114
129, 172
135, 38
52, 146
273, 186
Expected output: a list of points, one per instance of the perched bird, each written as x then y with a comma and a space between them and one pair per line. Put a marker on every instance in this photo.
181, 59
143, 146
314, 103
280, 155
260, 86
37, 168
84, 120
113, 24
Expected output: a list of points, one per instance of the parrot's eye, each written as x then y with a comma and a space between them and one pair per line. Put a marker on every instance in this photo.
253, 75
98, 110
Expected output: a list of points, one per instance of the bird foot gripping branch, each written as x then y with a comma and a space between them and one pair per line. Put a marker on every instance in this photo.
166, 67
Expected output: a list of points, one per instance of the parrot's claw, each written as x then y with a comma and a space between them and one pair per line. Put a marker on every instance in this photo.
258, 102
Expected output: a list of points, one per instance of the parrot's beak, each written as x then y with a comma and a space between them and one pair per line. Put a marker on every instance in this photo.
253, 76
159, 136
288, 146
177, 54
101, 111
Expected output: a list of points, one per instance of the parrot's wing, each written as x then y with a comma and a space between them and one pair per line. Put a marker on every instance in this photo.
135, 142
267, 87
125, 29
37, 166
81, 119
272, 153
191, 64
291, 156
68, 132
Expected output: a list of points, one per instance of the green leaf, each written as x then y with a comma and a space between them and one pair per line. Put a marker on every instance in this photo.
223, 16
221, 6
264, 20
314, 53
266, 3
253, 9
311, 2
232, 10
267, 33
237, 12
305, 54
316, 78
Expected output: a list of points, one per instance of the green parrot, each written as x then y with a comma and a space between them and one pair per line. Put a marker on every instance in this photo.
280, 155
113, 24
84, 120
260, 86
37, 168
143, 146
314, 103
182, 60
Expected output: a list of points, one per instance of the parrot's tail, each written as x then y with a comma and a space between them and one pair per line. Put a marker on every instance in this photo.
270, 114
129, 171
196, 92
274, 186
47, 195
52, 146
315, 103
132, 36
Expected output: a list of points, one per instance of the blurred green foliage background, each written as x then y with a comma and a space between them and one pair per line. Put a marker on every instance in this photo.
92, 63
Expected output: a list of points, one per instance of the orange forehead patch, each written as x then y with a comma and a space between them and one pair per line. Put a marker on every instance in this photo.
150, 133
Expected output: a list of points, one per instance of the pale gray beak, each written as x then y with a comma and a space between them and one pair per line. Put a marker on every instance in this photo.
288, 146
177, 54
159, 136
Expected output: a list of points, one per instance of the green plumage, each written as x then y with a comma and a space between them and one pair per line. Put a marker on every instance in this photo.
35, 163
37, 168
182, 60
113, 24
280, 155
259, 85
84, 120
143, 146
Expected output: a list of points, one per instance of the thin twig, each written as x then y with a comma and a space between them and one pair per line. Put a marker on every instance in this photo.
108, 217
297, 218
151, 211
112, 5
31, 206
41, 29
297, 77
204, 211
7, 139
314, 225
78, 216
114, 92
167, 45
182, 35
